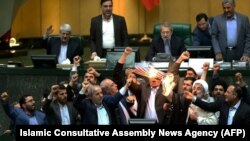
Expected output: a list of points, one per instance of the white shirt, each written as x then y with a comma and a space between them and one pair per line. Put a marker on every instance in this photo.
64, 114
103, 117
231, 113
150, 109
63, 54
108, 34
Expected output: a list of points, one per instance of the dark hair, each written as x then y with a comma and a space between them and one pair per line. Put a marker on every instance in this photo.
61, 86
190, 78
102, 1
220, 82
237, 90
201, 16
191, 69
22, 100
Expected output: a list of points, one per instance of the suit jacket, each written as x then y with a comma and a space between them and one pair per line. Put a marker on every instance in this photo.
180, 109
88, 110
163, 116
203, 38
120, 31
219, 36
53, 47
20, 117
176, 47
241, 117
52, 110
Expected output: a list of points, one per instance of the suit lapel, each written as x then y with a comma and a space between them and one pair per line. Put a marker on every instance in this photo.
57, 110
236, 115
238, 25
99, 28
58, 45
70, 112
115, 23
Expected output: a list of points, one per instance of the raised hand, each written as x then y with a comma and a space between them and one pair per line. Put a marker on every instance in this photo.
4, 96
49, 30
128, 50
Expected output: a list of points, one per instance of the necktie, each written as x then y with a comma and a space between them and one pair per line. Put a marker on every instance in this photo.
167, 47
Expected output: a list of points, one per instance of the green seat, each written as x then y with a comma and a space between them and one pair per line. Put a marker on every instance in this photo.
182, 30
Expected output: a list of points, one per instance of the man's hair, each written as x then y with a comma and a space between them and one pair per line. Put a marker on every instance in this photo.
190, 78
228, 1
191, 69
65, 27
220, 82
91, 89
201, 16
102, 1
105, 87
22, 100
237, 90
166, 24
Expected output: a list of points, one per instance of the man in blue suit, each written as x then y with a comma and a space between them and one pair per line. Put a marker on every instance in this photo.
27, 114
231, 34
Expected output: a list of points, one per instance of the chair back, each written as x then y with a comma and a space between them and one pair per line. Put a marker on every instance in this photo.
182, 30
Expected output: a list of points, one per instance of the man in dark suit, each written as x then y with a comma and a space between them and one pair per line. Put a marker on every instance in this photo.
64, 47
168, 44
58, 110
231, 34
107, 31
202, 31
234, 109
96, 107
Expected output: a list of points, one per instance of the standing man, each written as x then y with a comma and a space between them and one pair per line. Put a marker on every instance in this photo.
231, 34
172, 45
107, 31
64, 47
202, 31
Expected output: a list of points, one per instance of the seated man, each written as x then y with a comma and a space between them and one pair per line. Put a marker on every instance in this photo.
64, 47
168, 44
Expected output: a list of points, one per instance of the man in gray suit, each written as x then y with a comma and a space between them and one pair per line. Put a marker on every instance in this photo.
107, 31
231, 34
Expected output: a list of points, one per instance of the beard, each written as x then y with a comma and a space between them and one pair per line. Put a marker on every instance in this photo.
134, 88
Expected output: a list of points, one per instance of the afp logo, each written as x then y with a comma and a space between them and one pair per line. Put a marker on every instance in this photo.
233, 133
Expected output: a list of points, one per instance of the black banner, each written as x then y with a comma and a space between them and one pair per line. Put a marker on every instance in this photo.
145, 132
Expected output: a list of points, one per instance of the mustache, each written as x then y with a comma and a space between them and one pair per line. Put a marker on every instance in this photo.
134, 87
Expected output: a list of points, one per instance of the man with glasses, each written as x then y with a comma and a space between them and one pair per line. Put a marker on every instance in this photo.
27, 114
64, 47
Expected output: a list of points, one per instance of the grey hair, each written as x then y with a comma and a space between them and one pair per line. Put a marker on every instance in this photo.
65, 27
166, 24
232, 2
104, 85
91, 89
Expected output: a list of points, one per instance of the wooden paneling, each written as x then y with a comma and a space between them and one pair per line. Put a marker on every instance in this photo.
35, 15
88, 9
70, 13
50, 15
31, 19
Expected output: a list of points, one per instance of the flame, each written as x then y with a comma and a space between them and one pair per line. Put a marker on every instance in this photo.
168, 84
